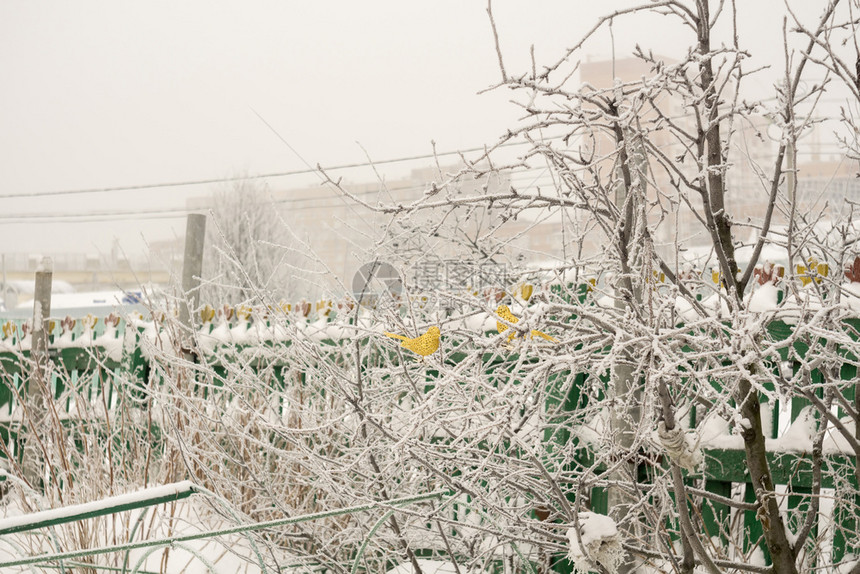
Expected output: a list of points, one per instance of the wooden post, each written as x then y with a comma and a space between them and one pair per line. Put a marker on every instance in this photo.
192, 267
42, 308
38, 386
5, 285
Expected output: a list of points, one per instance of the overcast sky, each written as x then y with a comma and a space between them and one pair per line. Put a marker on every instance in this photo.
120, 93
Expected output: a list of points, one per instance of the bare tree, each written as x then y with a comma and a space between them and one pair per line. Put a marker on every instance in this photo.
655, 395
633, 167
247, 245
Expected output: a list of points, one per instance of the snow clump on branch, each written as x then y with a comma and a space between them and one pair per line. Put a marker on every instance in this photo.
596, 542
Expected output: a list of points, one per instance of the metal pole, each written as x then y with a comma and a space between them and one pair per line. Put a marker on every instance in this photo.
40, 559
145, 498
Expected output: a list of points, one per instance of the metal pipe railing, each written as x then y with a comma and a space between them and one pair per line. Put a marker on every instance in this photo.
172, 540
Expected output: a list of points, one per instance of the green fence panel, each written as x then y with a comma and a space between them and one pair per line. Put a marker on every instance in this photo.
715, 515
846, 523
753, 528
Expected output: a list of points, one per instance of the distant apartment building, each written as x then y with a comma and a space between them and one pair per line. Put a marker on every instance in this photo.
746, 196
333, 232
835, 183
338, 230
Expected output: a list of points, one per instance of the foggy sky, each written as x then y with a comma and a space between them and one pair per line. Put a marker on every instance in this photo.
119, 93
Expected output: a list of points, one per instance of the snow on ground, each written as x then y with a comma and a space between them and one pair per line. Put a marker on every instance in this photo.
221, 555
427, 567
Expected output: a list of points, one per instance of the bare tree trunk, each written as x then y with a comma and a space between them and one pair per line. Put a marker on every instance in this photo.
626, 410
756, 455
720, 228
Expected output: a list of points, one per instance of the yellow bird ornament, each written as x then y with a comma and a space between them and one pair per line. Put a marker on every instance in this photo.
505, 313
425, 345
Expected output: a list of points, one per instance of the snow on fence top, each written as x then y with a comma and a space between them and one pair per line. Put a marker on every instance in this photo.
229, 328
326, 319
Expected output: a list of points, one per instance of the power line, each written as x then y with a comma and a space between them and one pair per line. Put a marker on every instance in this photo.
170, 213
245, 177
84, 218
517, 174
36, 217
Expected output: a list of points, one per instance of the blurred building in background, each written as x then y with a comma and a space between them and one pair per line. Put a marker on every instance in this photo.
331, 235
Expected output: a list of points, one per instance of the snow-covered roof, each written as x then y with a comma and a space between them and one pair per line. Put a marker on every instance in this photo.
28, 287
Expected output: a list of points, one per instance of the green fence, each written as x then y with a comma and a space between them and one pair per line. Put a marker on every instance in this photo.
102, 362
